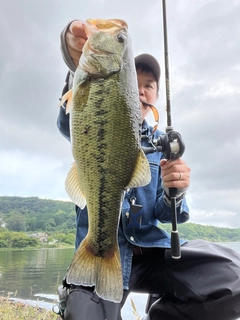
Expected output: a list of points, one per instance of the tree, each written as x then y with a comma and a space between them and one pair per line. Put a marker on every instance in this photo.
20, 240
16, 223
3, 243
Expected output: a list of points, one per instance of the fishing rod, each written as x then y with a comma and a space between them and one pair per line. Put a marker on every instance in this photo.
170, 144
175, 242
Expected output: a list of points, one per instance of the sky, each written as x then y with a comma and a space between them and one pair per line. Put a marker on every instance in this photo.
204, 51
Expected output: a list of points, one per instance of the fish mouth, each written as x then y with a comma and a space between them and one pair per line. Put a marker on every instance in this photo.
105, 25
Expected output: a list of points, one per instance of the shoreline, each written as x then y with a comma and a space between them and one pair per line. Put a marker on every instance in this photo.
38, 248
18, 309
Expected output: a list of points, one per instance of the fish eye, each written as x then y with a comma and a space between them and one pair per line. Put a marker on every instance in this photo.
121, 38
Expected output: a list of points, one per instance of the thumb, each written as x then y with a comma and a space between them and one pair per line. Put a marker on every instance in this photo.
163, 162
77, 29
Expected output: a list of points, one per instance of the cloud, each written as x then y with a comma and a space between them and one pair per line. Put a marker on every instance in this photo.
204, 46
21, 172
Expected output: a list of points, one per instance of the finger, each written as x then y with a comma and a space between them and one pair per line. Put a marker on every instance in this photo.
77, 29
75, 55
179, 179
176, 176
181, 174
170, 163
75, 43
163, 162
173, 169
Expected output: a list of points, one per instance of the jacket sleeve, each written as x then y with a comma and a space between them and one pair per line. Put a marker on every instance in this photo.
163, 211
63, 46
63, 118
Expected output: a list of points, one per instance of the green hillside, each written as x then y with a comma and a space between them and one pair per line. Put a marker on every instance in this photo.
192, 231
34, 214
29, 215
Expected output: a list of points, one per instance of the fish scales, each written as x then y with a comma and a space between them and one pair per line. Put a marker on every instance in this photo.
105, 136
100, 160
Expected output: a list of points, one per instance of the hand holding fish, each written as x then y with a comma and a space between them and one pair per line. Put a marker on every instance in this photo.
75, 39
175, 173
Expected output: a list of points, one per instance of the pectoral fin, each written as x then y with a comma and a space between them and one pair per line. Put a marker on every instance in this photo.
142, 174
67, 97
73, 188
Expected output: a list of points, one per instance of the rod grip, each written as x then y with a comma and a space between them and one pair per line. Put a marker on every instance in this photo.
172, 192
175, 245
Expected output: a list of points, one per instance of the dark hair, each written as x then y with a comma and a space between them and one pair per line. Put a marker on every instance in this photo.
142, 67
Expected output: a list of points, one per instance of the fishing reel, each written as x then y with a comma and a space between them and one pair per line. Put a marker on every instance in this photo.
170, 144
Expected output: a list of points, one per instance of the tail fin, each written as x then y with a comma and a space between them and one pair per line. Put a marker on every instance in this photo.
104, 273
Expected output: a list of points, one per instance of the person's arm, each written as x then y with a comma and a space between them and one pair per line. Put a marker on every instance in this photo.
72, 40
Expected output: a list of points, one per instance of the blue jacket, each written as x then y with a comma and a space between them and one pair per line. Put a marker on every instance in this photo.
154, 209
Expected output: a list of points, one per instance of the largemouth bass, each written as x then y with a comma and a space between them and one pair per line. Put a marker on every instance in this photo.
105, 135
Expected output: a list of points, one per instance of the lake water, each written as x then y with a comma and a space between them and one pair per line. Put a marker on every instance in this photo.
34, 275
